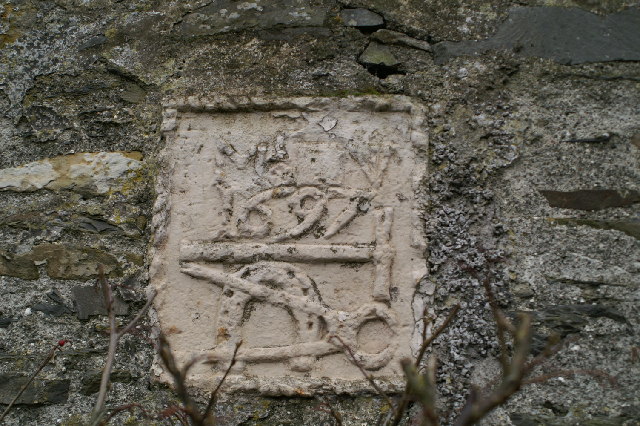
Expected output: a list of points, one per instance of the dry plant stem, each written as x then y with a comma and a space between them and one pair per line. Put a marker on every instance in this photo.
114, 337
512, 379
399, 411
334, 413
369, 378
501, 324
127, 407
24, 387
422, 388
212, 399
435, 334
179, 379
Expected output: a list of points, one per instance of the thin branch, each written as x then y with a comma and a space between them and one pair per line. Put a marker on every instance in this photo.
179, 379
172, 411
369, 378
512, 379
502, 324
212, 399
435, 334
47, 359
334, 413
126, 329
127, 407
421, 388
114, 338
426, 342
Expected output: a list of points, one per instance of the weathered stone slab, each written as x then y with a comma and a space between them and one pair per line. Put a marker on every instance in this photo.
228, 15
63, 262
39, 392
591, 199
283, 223
565, 35
89, 300
361, 18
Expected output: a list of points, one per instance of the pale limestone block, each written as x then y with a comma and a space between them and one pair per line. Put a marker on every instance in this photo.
92, 172
29, 177
286, 224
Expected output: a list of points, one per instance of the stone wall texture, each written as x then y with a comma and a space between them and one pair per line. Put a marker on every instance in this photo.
532, 114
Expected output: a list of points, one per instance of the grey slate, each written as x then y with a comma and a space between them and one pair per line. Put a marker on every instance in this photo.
90, 301
378, 54
38, 392
361, 18
565, 35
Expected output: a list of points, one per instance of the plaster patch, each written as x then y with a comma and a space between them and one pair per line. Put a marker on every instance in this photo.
292, 225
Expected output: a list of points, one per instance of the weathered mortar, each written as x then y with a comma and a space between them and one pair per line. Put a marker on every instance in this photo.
504, 125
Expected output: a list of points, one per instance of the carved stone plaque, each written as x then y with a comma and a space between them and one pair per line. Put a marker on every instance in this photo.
291, 225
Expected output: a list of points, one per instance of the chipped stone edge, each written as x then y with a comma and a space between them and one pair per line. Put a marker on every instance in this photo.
173, 108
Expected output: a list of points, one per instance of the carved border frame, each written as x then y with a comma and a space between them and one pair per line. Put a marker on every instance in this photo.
418, 138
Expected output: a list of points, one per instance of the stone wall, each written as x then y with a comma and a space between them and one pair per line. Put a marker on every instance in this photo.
533, 119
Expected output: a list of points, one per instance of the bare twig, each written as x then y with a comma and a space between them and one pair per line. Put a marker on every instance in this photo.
426, 342
502, 324
331, 410
180, 379
212, 398
512, 379
114, 338
172, 411
354, 361
52, 353
422, 388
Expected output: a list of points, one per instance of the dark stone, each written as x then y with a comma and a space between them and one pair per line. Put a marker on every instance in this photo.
522, 419
361, 18
394, 37
378, 54
90, 301
93, 42
558, 409
568, 319
630, 227
5, 322
228, 15
37, 393
17, 266
565, 35
57, 309
591, 199
95, 225
594, 139
291, 34
579, 283
91, 380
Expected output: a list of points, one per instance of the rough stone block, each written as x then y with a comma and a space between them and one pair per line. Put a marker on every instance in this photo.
565, 35
39, 391
291, 225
